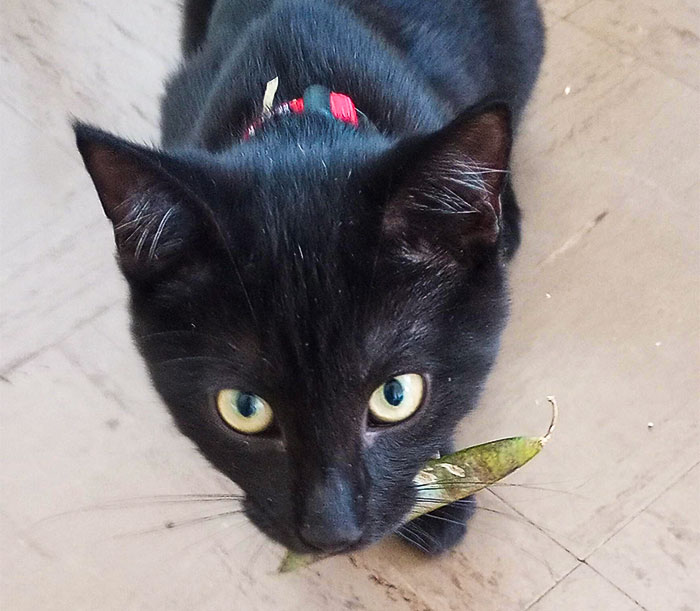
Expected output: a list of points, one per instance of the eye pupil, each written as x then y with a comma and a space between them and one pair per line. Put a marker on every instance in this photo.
246, 404
393, 392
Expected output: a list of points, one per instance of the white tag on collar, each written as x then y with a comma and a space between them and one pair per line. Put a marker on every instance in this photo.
269, 96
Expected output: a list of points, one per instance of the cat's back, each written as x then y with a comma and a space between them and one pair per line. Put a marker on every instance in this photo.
459, 52
467, 49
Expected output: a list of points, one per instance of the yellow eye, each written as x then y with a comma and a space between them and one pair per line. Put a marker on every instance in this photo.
243, 411
397, 399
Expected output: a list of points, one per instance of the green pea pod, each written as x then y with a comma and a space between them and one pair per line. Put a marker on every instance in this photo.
453, 477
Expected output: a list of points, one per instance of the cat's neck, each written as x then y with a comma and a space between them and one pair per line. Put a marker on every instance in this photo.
352, 61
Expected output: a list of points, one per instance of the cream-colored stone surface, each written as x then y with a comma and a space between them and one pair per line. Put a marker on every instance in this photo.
562, 8
656, 557
605, 317
582, 590
663, 33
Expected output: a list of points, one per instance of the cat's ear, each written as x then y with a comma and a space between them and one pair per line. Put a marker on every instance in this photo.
447, 196
152, 213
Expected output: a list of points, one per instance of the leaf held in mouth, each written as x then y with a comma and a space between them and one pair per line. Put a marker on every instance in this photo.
453, 477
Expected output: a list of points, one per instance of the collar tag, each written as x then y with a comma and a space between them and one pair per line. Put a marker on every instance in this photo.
269, 96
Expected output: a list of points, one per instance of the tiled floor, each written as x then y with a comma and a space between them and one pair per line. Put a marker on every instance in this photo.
605, 316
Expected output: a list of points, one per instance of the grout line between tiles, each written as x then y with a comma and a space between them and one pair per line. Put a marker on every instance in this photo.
618, 588
554, 585
573, 10
584, 560
546, 534
51, 253
20, 361
537, 526
624, 523
603, 577
94, 379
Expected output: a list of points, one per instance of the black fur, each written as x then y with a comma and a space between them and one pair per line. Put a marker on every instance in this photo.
315, 261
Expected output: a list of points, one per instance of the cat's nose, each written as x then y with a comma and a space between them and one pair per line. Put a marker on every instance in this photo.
330, 520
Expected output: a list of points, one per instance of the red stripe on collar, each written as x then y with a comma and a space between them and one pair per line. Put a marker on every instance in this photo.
341, 106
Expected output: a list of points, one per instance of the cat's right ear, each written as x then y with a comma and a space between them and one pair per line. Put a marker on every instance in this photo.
151, 210
446, 198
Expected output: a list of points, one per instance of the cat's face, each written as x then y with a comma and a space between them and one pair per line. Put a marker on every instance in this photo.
317, 322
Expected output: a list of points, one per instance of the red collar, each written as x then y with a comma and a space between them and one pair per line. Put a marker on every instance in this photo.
316, 98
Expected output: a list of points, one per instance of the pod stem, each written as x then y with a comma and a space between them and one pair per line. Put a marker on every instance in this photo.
553, 422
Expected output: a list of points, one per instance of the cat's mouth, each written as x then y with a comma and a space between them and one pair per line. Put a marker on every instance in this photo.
283, 529
291, 538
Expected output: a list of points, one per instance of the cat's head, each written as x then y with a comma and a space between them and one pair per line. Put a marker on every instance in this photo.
318, 313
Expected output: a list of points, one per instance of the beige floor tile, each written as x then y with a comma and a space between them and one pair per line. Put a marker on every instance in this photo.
34, 174
504, 564
94, 61
582, 590
562, 8
581, 78
656, 557
57, 263
664, 33
104, 352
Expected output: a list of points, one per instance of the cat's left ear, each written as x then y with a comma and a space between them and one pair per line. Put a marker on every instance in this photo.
447, 196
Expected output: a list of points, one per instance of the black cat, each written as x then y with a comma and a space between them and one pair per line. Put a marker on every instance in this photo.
317, 272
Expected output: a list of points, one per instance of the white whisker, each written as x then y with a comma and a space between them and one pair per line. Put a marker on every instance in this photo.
159, 232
